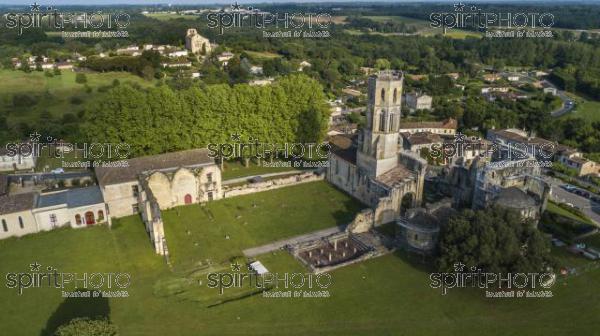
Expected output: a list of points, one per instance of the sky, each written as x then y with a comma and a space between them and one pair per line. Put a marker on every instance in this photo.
208, 2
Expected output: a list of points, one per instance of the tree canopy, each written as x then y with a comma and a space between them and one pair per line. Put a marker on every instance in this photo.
494, 240
161, 119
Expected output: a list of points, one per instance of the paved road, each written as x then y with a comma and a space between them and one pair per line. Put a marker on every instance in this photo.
567, 103
253, 252
589, 208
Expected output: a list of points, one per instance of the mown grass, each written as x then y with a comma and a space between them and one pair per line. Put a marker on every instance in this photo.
390, 295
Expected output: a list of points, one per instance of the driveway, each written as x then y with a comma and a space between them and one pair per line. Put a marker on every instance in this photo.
588, 207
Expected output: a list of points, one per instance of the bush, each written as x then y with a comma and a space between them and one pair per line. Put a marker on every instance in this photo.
76, 100
23, 100
80, 78
87, 327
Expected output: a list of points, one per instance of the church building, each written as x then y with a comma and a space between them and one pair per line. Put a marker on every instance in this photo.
372, 166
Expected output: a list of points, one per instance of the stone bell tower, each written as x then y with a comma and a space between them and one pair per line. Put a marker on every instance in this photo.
379, 145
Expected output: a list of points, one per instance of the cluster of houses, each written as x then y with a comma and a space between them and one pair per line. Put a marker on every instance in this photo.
45, 63
494, 91
566, 155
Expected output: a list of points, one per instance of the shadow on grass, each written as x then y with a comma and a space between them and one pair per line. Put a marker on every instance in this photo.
351, 208
72, 308
423, 263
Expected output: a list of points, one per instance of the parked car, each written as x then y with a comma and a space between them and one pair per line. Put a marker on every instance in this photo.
57, 171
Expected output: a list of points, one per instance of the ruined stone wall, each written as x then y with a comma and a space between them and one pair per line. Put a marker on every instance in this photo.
251, 188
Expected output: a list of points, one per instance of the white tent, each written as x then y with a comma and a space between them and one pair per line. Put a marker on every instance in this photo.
259, 268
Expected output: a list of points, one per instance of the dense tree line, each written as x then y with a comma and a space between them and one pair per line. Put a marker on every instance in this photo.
161, 119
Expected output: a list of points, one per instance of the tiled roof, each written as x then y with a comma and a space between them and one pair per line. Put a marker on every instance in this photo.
342, 146
73, 198
395, 175
16, 203
448, 124
188, 158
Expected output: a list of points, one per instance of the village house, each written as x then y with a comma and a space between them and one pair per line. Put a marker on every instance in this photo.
551, 90
445, 127
186, 64
178, 53
418, 101
574, 159
10, 161
416, 142
224, 58
261, 82
64, 66
303, 65
23, 213
16, 216
491, 77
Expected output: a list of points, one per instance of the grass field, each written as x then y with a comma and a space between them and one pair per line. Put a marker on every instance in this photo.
262, 55
389, 295
422, 27
221, 230
586, 109
53, 94
170, 16
553, 207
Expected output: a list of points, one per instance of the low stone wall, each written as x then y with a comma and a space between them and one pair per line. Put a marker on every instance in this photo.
251, 188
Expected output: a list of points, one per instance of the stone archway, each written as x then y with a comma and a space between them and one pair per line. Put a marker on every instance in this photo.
187, 199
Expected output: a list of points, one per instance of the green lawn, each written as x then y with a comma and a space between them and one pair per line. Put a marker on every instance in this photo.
586, 109
253, 220
389, 295
53, 94
553, 207
261, 55
235, 169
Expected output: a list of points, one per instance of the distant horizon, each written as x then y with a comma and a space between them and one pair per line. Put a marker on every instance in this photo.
5, 3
